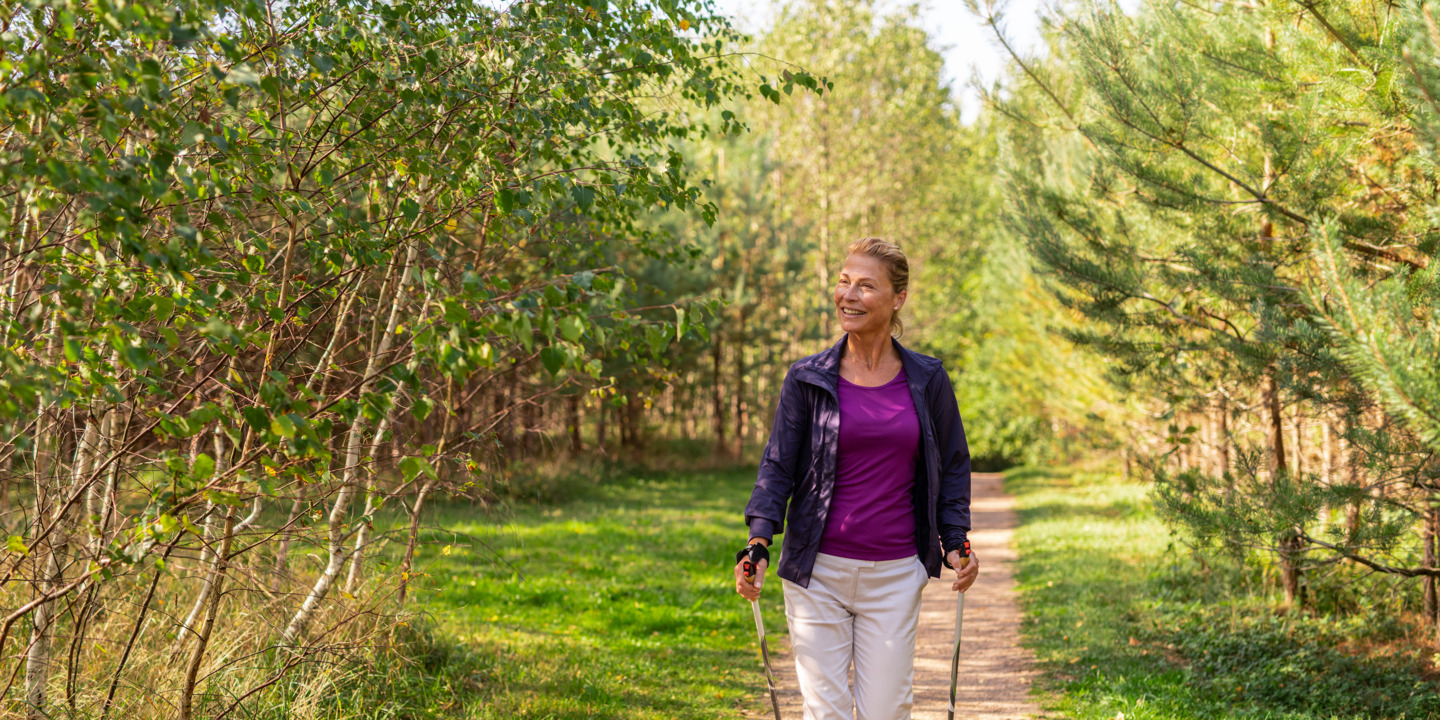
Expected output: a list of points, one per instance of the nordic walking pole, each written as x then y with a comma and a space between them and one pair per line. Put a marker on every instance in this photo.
765, 653
959, 615
751, 565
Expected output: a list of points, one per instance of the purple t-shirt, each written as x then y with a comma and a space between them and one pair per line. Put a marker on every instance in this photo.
872, 513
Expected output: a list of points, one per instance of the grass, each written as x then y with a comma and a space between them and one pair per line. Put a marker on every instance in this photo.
617, 604
1126, 624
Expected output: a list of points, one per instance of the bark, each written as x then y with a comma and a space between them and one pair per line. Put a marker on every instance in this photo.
1353, 466
717, 399
600, 423
741, 408
572, 421
1433, 519
1288, 542
1298, 447
362, 534
45, 616
408, 560
527, 429
336, 549
202, 601
1224, 431
504, 406
1327, 452
282, 553
1427, 545
214, 586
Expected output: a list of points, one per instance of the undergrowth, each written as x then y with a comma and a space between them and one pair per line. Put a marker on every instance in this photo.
1127, 623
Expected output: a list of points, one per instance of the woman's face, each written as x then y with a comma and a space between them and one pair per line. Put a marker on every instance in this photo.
864, 298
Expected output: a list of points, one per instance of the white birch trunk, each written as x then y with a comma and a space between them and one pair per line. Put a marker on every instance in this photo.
37, 657
337, 551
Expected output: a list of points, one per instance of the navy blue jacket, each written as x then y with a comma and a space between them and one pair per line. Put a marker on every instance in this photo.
798, 468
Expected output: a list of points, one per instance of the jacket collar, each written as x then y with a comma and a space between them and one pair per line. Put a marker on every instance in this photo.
823, 368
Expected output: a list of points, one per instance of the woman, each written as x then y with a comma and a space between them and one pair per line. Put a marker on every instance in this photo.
867, 461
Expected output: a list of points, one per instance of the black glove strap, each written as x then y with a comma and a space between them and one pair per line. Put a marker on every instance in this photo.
751, 555
964, 552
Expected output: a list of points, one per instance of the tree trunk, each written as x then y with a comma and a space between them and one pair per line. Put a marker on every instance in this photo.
717, 400
1434, 522
1327, 452
282, 553
336, 550
1353, 467
527, 428
1298, 447
572, 421
362, 533
600, 423
1288, 542
45, 616
1224, 431
633, 406
741, 408
339, 511
214, 586
409, 558
1427, 550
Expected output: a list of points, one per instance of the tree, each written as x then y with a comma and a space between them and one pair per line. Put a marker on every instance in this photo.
264, 255
1215, 161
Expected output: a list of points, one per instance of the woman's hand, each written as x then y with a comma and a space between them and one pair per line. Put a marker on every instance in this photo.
749, 588
966, 570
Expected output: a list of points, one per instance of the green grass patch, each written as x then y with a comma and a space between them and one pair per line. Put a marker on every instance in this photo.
1122, 620
618, 604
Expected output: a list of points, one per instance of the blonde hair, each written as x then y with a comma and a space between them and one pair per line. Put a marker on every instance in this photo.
893, 258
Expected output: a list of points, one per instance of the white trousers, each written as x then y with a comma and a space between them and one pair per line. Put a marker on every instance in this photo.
863, 612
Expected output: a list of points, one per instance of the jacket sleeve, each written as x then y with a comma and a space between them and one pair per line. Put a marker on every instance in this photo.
953, 511
780, 465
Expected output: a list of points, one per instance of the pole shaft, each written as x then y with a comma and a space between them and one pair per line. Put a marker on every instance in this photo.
765, 655
955, 659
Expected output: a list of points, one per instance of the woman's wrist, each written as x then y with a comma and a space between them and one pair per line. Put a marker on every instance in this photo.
762, 540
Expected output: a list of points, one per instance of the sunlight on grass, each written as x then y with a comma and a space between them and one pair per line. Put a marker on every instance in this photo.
617, 605
1123, 623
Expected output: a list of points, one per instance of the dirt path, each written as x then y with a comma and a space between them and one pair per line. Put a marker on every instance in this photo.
995, 670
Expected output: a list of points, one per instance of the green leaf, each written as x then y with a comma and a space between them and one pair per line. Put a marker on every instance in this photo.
204, 466
571, 328
553, 358
411, 467
243, 74
422, 408
584, 196
256, 417
16, 544
283, 426
504, 201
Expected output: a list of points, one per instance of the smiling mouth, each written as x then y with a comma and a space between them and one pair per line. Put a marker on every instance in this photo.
851, 313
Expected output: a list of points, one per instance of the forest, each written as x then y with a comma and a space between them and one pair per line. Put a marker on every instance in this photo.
282, 281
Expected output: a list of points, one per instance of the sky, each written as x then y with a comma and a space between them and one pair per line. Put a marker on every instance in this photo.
968, 46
